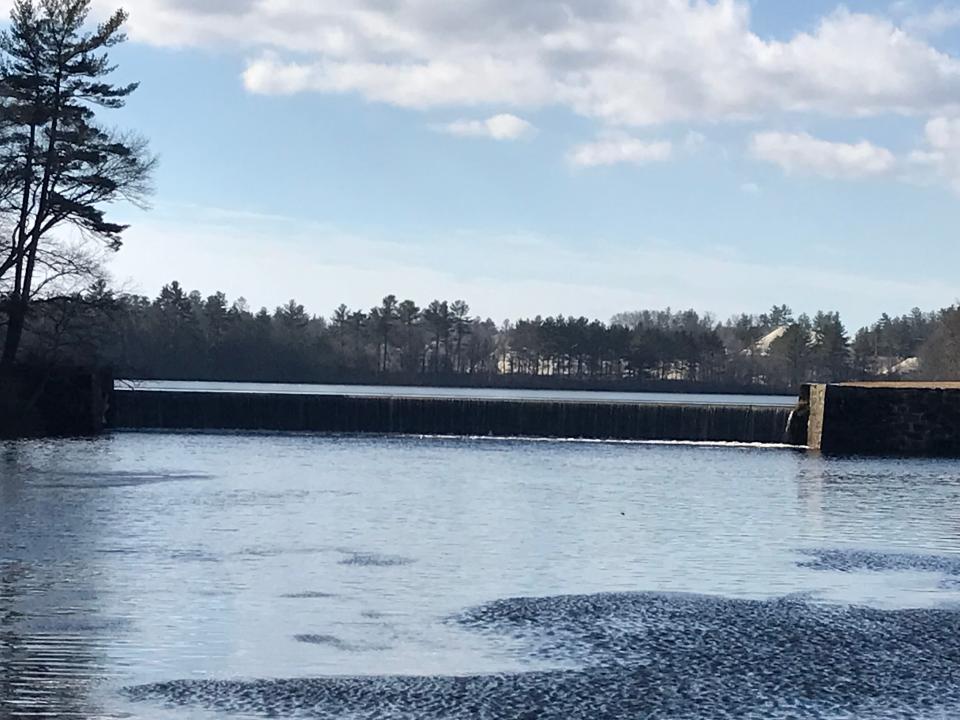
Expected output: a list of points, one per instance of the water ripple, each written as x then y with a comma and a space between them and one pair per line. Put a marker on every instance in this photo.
652, 656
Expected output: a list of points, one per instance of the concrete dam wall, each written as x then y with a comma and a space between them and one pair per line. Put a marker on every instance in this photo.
140, 409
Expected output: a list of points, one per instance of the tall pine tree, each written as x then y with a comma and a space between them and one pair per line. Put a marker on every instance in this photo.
58, 165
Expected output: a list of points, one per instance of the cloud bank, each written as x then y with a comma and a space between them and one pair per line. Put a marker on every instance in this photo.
626, 64
623, 62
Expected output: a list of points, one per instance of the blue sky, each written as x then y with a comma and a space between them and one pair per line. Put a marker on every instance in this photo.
538, 157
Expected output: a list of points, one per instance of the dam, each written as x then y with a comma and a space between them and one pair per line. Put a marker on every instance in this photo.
892, 419
576, 419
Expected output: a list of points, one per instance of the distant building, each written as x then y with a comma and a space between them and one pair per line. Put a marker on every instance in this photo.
905, 367
762, 346
892, 365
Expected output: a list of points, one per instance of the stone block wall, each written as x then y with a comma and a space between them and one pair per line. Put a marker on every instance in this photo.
884, 419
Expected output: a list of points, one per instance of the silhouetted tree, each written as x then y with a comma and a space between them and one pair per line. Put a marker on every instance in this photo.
831, 348
460, 324
358, 320
779, 316
341, 320
57, 165
292, 315
940, 354
383, 318
408, 314
437, 318
793, 350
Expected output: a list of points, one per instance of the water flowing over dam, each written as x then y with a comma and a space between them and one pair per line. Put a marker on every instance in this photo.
140, 409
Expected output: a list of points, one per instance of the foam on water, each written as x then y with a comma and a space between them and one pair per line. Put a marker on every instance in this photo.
615, 441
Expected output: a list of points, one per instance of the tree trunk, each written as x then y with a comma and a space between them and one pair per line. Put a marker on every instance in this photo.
17, 317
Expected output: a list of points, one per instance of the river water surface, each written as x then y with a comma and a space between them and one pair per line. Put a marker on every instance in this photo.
200, 576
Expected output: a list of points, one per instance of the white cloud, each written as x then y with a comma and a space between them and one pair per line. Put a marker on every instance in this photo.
803, 153
636, 62
935, 21
409, 84
941, 152
613, 151
498, 127
936, 160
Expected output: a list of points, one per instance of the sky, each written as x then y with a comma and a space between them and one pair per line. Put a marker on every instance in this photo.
584, 157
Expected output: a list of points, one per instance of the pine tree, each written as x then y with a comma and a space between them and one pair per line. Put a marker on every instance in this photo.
58, 165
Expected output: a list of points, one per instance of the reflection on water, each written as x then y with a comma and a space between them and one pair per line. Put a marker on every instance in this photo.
51, 623
138, 568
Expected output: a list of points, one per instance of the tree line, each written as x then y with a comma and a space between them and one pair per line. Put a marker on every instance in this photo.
60, 167
183, 334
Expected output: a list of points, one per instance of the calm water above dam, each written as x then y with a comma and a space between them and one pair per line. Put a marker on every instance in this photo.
460, 393
226, 575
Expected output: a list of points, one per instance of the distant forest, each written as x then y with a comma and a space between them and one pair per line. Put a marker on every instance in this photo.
60, 168
186, 335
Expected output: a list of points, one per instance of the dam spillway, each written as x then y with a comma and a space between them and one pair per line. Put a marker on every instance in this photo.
166, 410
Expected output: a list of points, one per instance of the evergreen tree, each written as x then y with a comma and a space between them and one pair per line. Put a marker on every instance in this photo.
408, 313
831, 347
460, 324
383, 318
437, 318
341, 320
792, 351
58, 166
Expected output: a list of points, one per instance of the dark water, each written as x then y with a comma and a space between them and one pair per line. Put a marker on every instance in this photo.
202, 576
469, 393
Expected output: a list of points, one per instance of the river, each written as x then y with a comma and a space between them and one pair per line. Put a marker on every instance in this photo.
201, 576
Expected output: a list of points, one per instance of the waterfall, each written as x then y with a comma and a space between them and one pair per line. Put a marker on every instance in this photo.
788, 430
458, 416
